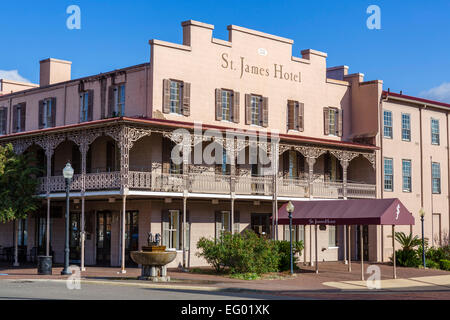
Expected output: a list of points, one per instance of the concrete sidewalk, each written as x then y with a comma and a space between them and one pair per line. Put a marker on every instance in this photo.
333, 281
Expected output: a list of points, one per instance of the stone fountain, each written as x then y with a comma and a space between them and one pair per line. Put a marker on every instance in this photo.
153, 259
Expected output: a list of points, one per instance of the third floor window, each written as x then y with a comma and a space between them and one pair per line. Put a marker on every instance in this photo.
116, 104
388, 174
387, 124
406, 127
435, 131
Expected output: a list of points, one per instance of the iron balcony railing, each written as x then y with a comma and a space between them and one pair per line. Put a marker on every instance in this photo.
210, 183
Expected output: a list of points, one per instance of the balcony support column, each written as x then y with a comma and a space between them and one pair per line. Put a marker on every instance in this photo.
186, 152
275, 149
311, 161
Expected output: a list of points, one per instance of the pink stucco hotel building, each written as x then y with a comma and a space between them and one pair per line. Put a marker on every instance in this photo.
328, 135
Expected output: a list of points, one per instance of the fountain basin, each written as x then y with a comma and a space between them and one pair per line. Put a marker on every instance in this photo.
153, 258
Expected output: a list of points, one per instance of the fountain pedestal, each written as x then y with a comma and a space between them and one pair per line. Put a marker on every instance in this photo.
153, 259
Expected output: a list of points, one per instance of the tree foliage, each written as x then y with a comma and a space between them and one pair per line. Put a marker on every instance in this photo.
18, 183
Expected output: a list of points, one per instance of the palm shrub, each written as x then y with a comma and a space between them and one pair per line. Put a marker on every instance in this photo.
407, 256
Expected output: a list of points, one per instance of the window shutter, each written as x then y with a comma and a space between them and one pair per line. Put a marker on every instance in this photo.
339, 133
218, 104
165, 227
187, 231
3, 124
165, 155
166, 96
186, 99
110, 101
301, 117
41, 114
265, 112
326, 121
218, 223
23, 113
53, 102
291, 113
236, 106
90, 105
14, 129
248, 109
237, 222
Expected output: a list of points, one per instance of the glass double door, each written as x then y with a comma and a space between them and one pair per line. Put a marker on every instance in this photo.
365, 236
75, 237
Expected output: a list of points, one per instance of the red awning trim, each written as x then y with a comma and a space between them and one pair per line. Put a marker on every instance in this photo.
347, 212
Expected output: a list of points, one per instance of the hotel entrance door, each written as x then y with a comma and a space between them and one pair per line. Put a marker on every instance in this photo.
104, 238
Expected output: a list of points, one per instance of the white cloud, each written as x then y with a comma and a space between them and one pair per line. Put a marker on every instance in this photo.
440, 93
12, 75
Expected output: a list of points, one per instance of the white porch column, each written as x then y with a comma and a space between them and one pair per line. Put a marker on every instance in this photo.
349, 249
361, 250
83, 234
124, 199
393, 249
317, 261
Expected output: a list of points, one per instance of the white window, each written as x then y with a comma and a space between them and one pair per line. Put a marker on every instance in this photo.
175, 97
298, 233
227, 105
332, 236
172, 230
256, 110
406, 171
387, 120
436, 177
119, 100
435, 131
388, 174
406, 127
47, 116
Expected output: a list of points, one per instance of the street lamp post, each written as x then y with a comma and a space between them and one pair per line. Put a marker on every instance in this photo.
290, 208
422, 215
68, 175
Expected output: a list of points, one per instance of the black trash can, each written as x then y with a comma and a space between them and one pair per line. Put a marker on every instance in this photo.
44, 265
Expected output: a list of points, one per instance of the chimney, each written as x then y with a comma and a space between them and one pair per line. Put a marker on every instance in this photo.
54, 71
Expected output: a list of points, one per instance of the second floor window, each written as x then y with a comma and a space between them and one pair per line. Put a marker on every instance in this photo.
387, 124
227, 105
406, 172
436, 177
176, 97
332, 121
86, 105
256, 110
295, 116
406, 127
435, 131
3, 117
388, 174
19, 116
116, 104
47, 113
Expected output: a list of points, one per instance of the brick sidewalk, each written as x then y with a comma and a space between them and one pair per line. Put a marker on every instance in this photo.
305, 282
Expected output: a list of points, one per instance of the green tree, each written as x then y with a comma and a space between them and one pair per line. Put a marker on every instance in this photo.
18, 183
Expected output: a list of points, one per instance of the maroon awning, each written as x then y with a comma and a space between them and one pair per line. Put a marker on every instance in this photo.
348, 212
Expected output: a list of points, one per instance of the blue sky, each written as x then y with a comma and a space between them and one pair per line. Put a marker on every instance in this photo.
411, 52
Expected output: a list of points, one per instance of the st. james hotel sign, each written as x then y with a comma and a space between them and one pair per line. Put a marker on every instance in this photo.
276, 71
